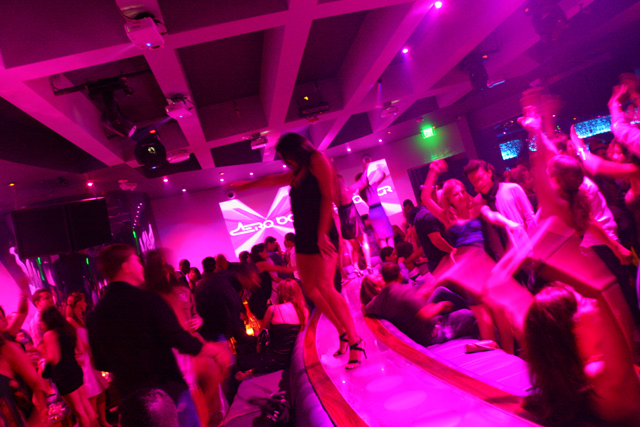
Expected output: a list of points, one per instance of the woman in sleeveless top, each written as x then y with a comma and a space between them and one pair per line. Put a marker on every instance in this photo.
60, 342
284, 321
460, 217
94, 384
311, 181
351, 226
458, 213
368, 191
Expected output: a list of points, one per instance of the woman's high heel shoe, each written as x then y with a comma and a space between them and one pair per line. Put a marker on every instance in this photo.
354, 363
340, 352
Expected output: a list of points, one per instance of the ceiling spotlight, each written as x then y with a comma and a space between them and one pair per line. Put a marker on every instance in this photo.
144, 33
405, 50
113, 119
221, 179
12, 184
284, 166
251, 173
165, 180
184, 190
179, 107
150, 152
89, 183
257, 141
438, 4
349, 149
379, 140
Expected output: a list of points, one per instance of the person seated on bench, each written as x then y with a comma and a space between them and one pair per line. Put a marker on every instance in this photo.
443, 317
283, 321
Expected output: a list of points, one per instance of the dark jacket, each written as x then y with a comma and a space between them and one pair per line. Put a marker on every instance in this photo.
132, 333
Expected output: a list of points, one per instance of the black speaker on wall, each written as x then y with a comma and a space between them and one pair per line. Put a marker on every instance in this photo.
41, 231
59, 229
88, 222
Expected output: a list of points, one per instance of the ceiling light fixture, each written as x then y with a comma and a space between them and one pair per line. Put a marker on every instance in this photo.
144, 33
12, 184
150, 152
257, 140
165, 180
438, 4
348, 149
89, 183
179, 107
405, 50
184, 190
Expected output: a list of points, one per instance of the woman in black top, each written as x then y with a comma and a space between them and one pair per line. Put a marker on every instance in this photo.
311, 180
60, 342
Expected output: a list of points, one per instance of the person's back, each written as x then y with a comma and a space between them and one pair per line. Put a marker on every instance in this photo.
124, 329
400, 304
220, 306
132, 331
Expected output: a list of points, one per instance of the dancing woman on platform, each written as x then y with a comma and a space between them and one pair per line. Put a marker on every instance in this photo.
351, 225
311, 180
377, 216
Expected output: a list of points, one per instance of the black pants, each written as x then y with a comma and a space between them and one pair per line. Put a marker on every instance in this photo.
623, 276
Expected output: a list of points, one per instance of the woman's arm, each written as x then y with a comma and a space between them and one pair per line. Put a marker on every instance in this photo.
266, 320
267, 266
321, 168
19, 317
599, 233
496, 218
598, 166
625, 133
363, 181
265, 181
440, 243
21, 365
52, 347
435, 169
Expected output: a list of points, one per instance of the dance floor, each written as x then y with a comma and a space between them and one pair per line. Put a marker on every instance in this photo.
389, 390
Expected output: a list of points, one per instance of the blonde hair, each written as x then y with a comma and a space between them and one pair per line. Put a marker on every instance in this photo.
289, 291
447, 192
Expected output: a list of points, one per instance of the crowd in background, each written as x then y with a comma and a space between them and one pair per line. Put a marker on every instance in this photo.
541, 261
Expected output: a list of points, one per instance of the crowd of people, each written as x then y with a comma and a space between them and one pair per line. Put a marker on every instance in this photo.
539, 262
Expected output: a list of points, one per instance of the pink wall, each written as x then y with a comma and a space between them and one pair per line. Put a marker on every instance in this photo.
191, 225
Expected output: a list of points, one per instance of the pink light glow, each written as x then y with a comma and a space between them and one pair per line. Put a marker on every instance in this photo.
348, 149
438, 4
165, 180
405, 50
184, 190
89, 183
221, 179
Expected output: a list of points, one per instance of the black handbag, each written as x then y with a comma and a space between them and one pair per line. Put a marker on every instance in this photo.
263, 339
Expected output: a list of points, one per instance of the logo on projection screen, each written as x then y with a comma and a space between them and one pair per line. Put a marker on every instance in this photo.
247, 227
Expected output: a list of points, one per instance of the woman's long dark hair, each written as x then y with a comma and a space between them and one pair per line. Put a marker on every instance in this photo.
292, 146
570, 174
55, 321
560, 386
156, 273
255, 253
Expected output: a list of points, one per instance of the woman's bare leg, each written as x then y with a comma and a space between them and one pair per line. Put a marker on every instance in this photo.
319, 272
366, 249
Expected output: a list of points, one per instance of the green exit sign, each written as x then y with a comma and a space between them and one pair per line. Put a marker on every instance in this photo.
428, 132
